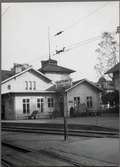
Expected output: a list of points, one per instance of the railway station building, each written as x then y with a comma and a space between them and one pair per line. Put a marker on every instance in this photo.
47, 90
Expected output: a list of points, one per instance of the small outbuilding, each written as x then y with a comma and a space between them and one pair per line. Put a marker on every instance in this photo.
83, 96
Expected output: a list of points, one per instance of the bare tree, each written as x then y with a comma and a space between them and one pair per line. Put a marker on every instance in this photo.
107, 54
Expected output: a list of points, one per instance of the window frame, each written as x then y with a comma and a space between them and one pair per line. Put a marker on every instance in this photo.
76, 101
50, 102
89, 102
26, 105
26, 84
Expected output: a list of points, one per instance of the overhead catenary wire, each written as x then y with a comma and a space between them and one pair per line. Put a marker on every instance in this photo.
73, 46
82, 43
80, 20
5, 11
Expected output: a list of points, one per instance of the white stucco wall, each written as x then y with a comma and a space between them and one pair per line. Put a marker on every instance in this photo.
18, 84
57, 77
33, 104
82, 91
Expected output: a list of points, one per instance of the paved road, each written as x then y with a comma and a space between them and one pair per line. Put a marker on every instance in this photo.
82, 150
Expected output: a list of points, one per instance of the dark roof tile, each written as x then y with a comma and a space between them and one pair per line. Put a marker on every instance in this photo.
5, 74
55, 68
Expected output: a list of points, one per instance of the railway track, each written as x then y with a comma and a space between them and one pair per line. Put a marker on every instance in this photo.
17, 156
56, 130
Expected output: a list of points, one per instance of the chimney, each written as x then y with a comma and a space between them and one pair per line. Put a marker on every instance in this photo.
17, 68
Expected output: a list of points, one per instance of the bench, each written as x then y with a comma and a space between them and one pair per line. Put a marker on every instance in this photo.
33, 114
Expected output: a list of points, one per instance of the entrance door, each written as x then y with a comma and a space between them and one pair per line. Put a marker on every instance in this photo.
40, 104
3, 112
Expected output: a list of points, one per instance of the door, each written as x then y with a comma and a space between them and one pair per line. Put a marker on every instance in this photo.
3, 112
40, 104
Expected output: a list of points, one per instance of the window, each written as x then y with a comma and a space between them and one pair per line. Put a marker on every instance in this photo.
9, 87
34, 83
89, 102
30, 85
26, 84
38, 103
50, 102
26, 106
76, 101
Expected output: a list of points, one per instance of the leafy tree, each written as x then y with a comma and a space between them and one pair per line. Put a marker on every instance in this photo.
112, 98
107, 54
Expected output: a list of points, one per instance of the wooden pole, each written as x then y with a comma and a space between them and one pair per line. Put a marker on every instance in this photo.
49, 41
65, 118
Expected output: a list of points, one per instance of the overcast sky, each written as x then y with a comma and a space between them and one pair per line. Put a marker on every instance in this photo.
25, 33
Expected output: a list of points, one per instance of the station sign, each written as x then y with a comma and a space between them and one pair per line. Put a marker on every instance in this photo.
64, 83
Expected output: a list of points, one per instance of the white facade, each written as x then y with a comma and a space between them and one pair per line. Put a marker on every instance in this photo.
25, 93
18, 84
33, 105
83, 91
57, 77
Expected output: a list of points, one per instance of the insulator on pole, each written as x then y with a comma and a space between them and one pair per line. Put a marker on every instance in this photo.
60, 32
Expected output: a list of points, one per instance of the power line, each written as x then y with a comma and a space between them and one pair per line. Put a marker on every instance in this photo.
5, 11
81, 19
72, 46
81, 43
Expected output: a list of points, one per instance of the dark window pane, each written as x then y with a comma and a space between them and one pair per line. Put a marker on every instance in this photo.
24, 109
38, 100
48, 104
38, 105
28, 108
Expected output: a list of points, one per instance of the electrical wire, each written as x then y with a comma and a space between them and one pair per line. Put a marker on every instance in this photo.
5, 11
73, 46
81, 19
82, 43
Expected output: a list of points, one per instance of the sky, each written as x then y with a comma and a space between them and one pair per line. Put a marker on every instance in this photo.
26, 28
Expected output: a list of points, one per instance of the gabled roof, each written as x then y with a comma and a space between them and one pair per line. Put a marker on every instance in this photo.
76, 83
55, 68
6, 74
52, 88
114, 69
9, 77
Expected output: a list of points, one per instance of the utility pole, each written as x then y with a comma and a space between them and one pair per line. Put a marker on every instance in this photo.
49, 41
64, 96
65, 118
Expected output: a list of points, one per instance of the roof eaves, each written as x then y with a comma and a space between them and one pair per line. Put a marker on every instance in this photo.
81, 81
30, 68
50, 68
16, 75
49, 91
42, 75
